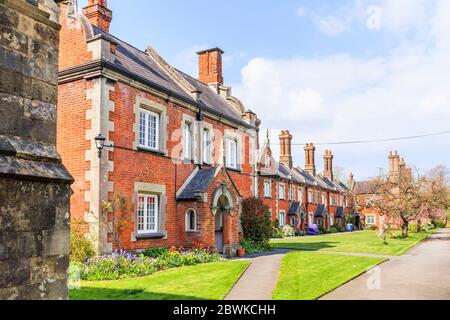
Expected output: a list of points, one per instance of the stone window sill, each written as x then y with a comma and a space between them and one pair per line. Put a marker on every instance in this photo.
147, 236
148, 150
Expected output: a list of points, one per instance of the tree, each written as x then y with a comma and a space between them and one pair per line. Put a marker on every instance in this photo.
256, 220
116, 213
408, 198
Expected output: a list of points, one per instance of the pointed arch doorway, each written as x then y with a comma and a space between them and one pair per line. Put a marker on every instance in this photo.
222, 209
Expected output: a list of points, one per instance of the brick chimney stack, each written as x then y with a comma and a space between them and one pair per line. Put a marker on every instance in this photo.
210, 67
310, 158
328, 165
98, 14
394, 165
286, 148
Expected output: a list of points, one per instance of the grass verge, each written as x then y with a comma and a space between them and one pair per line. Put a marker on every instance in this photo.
211, 281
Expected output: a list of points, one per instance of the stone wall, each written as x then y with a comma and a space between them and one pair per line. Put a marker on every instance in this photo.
34, 185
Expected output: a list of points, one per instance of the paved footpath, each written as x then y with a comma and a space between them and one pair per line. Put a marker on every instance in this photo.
422, 274
260, 279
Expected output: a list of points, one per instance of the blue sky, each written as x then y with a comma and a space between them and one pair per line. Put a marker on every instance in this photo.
327, 70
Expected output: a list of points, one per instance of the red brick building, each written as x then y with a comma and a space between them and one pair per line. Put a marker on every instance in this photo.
181, 150
301, 197
365, 191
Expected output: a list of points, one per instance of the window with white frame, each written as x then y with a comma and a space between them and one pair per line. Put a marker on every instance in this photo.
289, 193
293, 193
207, 151
282, 219
346, 202
310, 196
323, 198
310, 219
231, 154
147, 214
331, 220
149, 128
191, 220
282, 191
292, 222
370, 220
332, 200
188, 144
300, 195
267, 188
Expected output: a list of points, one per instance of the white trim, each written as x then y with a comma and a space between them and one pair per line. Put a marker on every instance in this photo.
149, 129
282, 195
372, 217
147, 213
282, 221
268, 192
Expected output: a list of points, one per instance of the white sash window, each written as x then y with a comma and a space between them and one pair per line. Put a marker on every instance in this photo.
188, 141
207, 146
149, 129
147, 214
231, 154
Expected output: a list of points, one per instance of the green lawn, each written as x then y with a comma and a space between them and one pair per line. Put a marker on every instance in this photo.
357, 242
310, 275
210, 281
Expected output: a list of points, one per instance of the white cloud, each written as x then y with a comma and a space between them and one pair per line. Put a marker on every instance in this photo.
330, 25
342, 97
301, 12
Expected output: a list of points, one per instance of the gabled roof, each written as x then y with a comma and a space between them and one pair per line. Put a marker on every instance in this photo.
198, 183
339, 213
141, 64
321, 211
294, 209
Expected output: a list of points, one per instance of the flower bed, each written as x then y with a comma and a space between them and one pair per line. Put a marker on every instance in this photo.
122, 264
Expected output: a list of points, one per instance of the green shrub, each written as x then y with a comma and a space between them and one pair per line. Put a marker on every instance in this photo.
288, 231
81, 248
372, 227
440, 224
251, 247
333, 230
122, 264
256, 220
156, 252
277, 233
116, 266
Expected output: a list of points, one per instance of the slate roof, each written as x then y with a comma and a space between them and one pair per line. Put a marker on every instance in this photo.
198, 184
321, 211
339, 212
139, 63
294, 209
